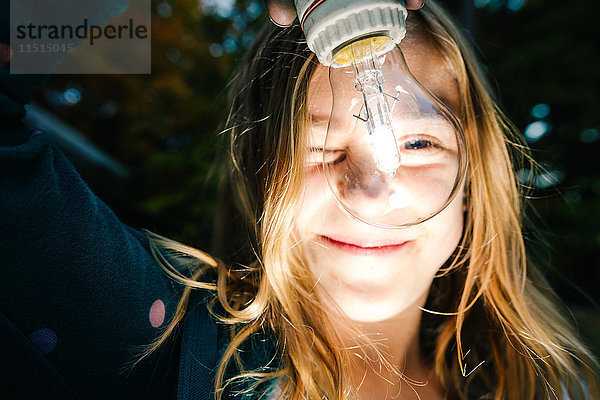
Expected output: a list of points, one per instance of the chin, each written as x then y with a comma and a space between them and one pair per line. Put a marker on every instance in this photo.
374, 303
373, 311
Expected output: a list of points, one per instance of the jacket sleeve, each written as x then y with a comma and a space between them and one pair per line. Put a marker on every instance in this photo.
80, 287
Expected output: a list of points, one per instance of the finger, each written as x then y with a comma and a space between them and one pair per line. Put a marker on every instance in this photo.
414, 4
281, 12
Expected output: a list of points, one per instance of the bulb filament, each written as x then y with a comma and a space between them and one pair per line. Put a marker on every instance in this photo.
368, 79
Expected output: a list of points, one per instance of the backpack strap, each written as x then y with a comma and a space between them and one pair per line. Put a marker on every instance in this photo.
199, 352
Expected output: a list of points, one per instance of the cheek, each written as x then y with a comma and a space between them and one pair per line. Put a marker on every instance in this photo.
443, 232
316, 205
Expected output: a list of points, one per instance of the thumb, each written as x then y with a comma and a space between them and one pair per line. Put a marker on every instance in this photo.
281, 12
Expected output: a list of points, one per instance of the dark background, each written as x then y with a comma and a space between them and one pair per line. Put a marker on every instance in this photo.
161, 129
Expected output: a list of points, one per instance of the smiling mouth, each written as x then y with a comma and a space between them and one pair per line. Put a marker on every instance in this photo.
364, 250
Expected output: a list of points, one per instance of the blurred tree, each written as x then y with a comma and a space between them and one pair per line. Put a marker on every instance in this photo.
164, 125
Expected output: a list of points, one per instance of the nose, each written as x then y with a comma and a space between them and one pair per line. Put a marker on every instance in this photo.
364, 189
375, 197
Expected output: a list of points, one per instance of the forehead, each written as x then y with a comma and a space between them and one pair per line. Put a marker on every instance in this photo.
425, 62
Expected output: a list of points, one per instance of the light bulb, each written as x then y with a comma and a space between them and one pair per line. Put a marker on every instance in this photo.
404, 157
404, 154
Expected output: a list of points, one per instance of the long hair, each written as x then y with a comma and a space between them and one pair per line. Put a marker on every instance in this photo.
489, 304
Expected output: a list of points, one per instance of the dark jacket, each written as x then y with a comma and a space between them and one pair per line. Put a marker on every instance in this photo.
80, 292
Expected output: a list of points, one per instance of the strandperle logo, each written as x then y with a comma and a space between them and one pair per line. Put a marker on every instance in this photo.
83, 31
80, 37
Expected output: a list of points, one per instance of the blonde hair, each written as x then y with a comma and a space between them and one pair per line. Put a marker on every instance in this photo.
489, 301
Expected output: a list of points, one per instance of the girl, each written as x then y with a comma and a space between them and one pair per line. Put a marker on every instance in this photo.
455, 311
307, 301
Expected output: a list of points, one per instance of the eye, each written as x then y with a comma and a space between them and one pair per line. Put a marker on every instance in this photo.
340, 157
317, 156
420, 144
417, 144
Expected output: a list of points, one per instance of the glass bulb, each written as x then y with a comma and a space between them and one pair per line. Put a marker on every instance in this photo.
403, 152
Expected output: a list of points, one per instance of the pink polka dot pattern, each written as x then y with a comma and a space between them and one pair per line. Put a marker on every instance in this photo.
157, 313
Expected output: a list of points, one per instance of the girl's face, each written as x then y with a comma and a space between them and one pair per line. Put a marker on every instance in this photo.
375, 274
